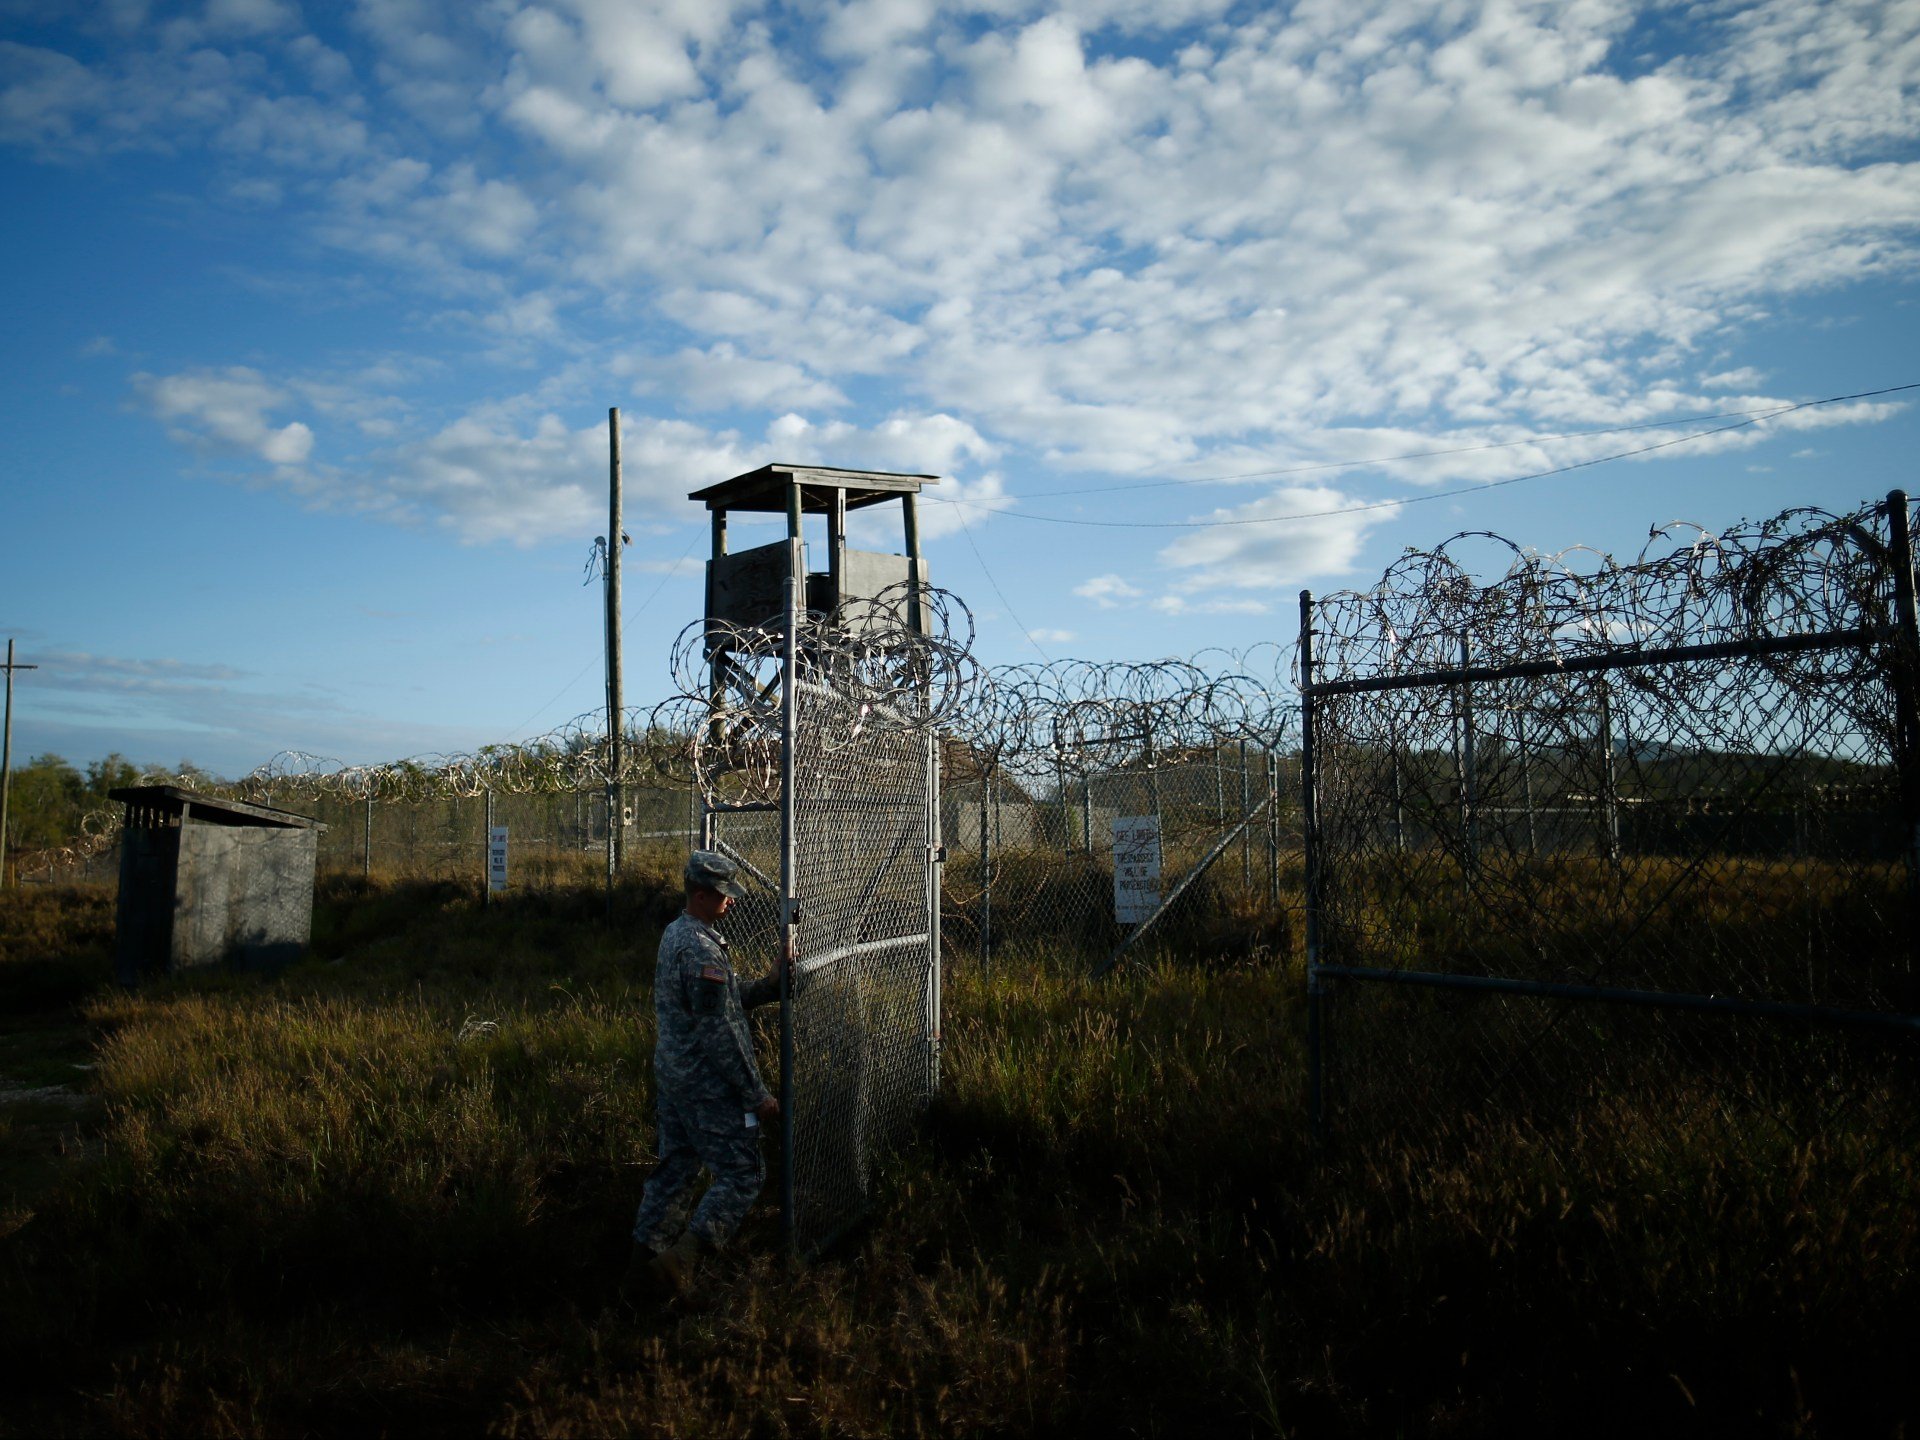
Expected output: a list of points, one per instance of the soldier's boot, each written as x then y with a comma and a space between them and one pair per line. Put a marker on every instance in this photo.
672, 1268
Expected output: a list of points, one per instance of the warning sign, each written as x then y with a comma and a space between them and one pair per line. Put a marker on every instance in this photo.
1136, 868
496, 857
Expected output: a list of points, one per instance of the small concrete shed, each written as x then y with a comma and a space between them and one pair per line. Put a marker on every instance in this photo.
204, 881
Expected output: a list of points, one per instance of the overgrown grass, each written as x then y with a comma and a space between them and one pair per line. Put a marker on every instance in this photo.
387, 1191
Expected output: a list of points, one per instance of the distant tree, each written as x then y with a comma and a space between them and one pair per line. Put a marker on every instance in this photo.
45, 803
110, 774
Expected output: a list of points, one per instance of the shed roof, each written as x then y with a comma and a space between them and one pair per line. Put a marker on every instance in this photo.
209, 810
766, 488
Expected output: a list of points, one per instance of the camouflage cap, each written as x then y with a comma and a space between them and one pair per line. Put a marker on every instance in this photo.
714, 871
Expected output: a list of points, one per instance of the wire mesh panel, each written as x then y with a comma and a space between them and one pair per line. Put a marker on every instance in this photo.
864, 1010
1635, 841
812, 740
1051, 759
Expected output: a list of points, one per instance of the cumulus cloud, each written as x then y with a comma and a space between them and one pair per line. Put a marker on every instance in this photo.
1115, 235
45, 96
515, 470
1286, 537
1177, 604
721, 378
226, 409
1108, 591
487, 477
250, 17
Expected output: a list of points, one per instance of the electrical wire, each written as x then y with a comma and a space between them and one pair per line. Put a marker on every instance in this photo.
967, 530
665, 576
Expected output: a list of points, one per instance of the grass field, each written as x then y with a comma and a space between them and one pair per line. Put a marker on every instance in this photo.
387, 1191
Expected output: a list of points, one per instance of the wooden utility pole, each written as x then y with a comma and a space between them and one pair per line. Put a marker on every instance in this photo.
6, 759
616, 709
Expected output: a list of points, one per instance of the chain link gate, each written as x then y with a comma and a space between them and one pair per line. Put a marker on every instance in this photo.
842, 874
1635, 843
860, 1043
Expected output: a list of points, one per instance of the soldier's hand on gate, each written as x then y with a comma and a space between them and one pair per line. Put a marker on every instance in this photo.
768, 1108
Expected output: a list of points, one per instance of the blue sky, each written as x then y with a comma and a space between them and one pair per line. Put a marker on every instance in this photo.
314, 315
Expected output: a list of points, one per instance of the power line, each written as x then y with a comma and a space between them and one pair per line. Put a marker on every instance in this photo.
665, 576
1755, 417
967, 530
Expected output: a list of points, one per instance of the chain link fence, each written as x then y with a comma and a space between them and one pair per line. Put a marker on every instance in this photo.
1594, 840
864, 1034
1031, 873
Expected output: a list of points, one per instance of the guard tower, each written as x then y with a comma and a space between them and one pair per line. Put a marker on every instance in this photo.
748, 587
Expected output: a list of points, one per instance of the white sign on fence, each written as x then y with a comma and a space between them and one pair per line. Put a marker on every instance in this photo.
1136, 868
496, 857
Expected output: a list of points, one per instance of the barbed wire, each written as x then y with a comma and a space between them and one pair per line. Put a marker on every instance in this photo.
908, 655
1802, 572
902, 659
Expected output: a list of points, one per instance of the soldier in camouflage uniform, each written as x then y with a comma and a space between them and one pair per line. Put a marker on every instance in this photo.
712, 1100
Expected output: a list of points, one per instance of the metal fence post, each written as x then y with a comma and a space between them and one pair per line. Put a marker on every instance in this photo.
986, 879
1609, 794
1526, 779
789, 902
1060, 781
366, 839
1906, 687
1246, 809
1273, 829
1153, 775
936, 852
1310, 827
486, 859
1399, 801
1468, 839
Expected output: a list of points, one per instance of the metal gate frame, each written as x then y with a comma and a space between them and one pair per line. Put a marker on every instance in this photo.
802, 1230
1900, 639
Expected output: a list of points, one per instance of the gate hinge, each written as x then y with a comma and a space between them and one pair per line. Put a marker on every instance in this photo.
937, 854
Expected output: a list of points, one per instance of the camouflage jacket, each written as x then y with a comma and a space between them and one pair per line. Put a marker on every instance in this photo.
703, 1051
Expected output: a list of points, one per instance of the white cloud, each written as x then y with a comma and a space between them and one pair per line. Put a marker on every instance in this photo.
916, 444
514, 470
79, 669
1115, 233
1108, 591
721, 378
250, 17
226, 410
1045, 636
1278, 541
487, 478
1177, 604
44, 96
1745, 378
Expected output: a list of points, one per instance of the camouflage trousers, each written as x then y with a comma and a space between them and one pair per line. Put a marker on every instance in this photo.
717, 1137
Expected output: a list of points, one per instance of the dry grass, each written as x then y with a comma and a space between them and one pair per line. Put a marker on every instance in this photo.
387, 1192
